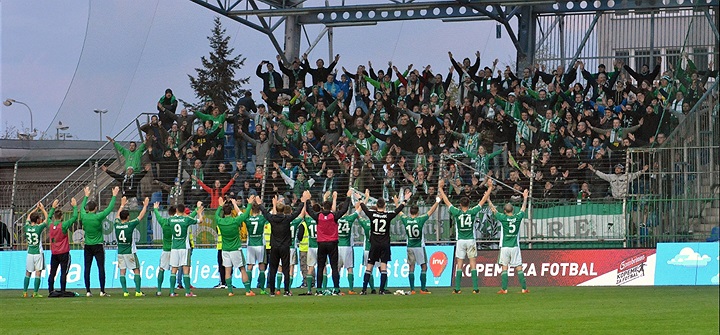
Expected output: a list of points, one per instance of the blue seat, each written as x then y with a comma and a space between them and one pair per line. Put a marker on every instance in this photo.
714, 234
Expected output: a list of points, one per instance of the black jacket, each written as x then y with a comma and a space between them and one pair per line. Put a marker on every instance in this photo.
280, 234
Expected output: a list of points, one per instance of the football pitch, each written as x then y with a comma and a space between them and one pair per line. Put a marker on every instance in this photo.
556, 310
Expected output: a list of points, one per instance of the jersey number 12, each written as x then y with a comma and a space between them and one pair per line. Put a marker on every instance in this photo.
380, 225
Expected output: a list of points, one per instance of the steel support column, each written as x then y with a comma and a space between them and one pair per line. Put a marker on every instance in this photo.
561, 34
526, 38
292, 38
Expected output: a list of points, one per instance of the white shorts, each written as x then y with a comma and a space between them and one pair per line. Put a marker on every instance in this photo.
165, 260
346, 257
35, 262
466, 249
416, 255
312, 257
256, 254
179, 257
127, 261
510, 256
293, 256
233, 259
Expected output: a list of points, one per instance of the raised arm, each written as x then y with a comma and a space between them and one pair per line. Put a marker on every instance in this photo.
434, 206
334, 201
344, 206
491, 206
42, 209
123, 202
146, 202
525, 198
111, 205
66, 224
442, 194
308, 206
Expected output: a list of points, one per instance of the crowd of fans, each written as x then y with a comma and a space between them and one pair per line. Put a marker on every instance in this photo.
391, 129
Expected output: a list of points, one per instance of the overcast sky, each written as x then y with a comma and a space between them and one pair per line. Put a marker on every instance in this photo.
66, 58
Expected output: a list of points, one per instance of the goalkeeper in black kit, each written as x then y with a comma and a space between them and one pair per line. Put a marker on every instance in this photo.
379, 240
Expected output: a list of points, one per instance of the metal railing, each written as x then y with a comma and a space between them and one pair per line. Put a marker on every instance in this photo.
679, 199
29, 193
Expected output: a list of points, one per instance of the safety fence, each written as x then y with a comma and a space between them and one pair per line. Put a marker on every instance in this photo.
679, 198
675, 200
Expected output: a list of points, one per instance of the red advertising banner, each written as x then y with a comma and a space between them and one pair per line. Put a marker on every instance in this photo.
588, 267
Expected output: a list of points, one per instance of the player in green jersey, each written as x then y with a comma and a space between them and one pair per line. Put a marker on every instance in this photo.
312, 250
167, 234
414, 224
510, 241
255, 223
346, 255
35, 262
127, 251
465, 235
180, 246
92, 223
232, 255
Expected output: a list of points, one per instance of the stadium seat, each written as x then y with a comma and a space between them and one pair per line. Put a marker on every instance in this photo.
714, 234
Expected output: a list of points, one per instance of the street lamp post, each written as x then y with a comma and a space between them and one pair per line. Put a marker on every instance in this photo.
58, 128
101, 112
8, 102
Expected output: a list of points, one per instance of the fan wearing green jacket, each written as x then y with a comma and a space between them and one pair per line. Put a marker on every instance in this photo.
132, 155
482, 158
217, 118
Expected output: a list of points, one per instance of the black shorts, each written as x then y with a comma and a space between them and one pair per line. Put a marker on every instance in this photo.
379, 253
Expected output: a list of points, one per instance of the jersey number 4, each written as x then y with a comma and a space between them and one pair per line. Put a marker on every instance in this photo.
380, 225
121, 237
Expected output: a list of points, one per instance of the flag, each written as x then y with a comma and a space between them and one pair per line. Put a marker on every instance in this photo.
512, 161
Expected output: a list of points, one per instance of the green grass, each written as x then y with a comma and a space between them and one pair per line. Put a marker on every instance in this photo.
557, 310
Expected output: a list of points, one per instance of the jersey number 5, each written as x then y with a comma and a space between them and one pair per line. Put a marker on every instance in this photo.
513, 227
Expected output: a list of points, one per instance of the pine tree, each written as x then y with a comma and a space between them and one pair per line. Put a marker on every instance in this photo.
216, 78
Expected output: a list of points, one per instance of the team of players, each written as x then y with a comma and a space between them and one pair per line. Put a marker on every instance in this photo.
327, 224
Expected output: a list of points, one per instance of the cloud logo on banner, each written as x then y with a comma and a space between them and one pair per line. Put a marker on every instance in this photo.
689, 258
2, 279
715, 280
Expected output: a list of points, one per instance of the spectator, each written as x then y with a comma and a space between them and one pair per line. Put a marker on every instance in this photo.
132, 155
618, 181
167, 105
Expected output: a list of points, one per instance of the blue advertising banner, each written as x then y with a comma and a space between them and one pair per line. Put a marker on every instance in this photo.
687, 264
204, 272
